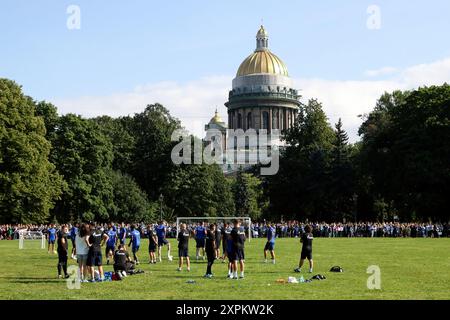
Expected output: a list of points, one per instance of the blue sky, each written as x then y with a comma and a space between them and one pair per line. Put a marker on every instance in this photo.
126, 47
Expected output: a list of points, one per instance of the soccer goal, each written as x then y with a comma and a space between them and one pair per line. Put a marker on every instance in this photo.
32, 239
246, 222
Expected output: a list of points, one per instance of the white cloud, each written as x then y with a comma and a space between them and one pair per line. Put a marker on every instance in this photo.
194, 102
345, 99
348, 99
433, 73
381, 72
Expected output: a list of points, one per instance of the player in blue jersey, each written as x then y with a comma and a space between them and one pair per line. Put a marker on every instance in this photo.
270, 244
200, 238
122, 234
73, 235
111, 243
135, 242
228, 247
51, 238
161, 231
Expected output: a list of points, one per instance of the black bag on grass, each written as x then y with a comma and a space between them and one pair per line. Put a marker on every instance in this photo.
336, 269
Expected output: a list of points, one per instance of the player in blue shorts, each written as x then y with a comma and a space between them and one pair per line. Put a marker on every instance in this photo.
73, 235
270, 244
135, 242
111, 243
152, 243
161, 231
122, 234
183, 247
237, 252
51, 238
228, 241
200, 238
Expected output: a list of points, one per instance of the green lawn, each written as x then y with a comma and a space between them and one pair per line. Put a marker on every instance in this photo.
410, 269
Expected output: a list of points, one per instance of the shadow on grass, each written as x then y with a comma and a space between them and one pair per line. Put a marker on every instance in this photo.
28, 280
24, 281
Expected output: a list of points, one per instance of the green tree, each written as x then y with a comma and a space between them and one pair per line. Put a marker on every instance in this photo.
198, 190
301, 187
29, 183
122, 140
406, 154
249, 196
83, 155
152, 164
130, 201
341, 177
49, 113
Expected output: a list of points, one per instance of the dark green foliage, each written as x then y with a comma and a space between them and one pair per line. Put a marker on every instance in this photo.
67, 168
130, 201
83, 155
406, 151
199, 190
123, 142
302, 187
29, 183
249, 195
152, 131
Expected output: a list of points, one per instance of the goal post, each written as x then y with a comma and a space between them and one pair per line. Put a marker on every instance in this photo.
246, 220
26, 235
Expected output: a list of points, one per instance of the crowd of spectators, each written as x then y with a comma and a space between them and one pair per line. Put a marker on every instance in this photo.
11, 231
292, 229
360, 229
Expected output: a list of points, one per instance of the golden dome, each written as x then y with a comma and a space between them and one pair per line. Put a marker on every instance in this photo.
216, 119
262, 62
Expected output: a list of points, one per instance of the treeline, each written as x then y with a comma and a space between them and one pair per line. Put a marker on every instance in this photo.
399, 169
68, 168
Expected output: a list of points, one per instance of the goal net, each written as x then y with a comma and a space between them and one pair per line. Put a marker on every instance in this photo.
192, 222
31, 239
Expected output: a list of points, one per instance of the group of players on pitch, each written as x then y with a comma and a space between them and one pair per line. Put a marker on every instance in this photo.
88, 239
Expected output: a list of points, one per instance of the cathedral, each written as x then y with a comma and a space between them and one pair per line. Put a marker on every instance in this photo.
262, 96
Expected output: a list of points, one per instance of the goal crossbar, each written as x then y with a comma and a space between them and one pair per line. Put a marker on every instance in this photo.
218, 218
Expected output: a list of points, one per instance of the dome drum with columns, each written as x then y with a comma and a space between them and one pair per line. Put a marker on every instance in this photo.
262, 96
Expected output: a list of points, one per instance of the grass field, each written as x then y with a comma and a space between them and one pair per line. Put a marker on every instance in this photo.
410, 269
